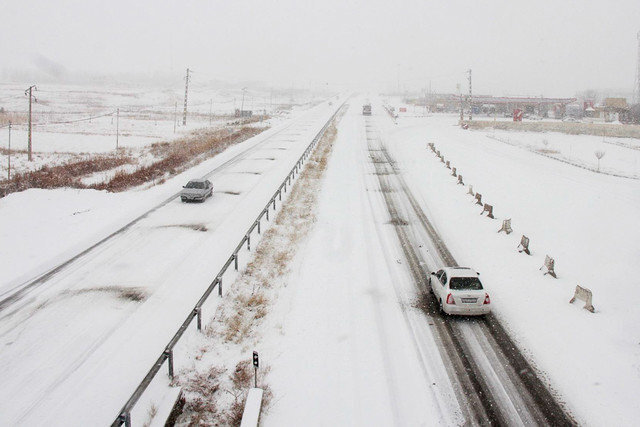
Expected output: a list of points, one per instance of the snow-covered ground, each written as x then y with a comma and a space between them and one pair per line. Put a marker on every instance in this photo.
66, 337
585, 220
83, 119
344, 335
621, 156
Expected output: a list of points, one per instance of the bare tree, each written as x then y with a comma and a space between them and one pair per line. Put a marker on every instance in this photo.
599, 154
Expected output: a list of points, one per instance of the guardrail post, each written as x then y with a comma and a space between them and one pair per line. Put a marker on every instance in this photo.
198, 311
280, 195
235, 261
126, 419
169, 354
274, 203
248, 242
220, 286
258, 226
267, 211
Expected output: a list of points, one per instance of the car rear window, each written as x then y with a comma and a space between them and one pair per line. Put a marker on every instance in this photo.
465, 284
195, 185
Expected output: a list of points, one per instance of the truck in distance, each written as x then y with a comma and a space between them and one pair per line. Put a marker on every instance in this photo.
366, 110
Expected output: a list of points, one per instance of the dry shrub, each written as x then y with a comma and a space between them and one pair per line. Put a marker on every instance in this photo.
204, 383
66, 175
233, 327
151, 414
178, 155
598, 129
14, 118
256, 299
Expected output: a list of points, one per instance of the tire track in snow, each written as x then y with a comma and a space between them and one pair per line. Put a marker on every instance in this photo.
499, 395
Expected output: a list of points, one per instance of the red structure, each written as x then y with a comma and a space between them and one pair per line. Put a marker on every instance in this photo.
517, 115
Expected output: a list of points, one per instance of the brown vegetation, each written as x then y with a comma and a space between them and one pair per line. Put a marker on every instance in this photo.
66, 175
179, 155
598, 129
175, 157
249, 298
14, 118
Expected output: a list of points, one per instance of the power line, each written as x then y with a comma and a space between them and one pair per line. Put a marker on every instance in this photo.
84, 119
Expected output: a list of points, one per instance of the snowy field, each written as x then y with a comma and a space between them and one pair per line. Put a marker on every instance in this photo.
344, 333
72, 120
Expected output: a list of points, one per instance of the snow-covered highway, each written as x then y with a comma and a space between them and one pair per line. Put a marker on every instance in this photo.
361, 316
353, 337
83, 337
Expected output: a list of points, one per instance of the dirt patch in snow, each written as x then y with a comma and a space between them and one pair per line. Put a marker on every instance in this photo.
136, 294
195, 227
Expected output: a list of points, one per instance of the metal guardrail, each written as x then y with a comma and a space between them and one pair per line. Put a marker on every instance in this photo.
124, 416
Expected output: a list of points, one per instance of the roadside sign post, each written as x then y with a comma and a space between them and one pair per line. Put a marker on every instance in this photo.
256, 364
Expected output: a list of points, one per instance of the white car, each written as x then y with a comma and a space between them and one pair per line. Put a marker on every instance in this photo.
458, 290
196, 190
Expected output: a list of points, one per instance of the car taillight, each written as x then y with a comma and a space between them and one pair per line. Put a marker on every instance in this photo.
487, 300
450, 299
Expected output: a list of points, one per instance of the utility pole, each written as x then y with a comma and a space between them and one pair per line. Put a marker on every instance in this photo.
637, 88
175, 114
186, 92
9, 166
30, 93
470, 97
117, 127
244, 90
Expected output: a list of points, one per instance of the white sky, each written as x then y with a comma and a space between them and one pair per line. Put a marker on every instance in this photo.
531, 47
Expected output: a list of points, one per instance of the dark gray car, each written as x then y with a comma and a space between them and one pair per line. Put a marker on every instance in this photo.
196, 190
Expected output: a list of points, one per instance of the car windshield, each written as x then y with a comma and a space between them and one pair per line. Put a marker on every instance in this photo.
195, 184
465, 284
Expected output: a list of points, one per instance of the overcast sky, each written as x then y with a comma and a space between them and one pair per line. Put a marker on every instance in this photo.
531, 47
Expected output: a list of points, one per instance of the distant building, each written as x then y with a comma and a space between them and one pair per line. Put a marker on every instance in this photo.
243, 113
501, 105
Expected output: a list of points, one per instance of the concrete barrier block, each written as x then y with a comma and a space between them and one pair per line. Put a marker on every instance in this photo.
549, 265
506, 226
488, 209
524, 245
585, 295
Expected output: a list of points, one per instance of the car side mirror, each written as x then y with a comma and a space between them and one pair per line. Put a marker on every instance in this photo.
433, 273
